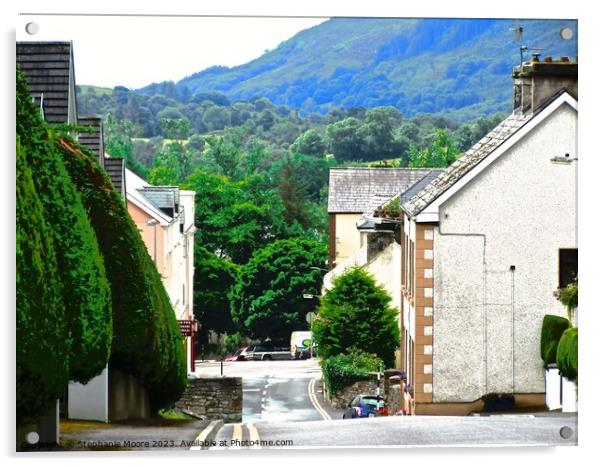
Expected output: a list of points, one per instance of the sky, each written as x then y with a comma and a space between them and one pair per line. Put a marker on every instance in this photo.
153, 49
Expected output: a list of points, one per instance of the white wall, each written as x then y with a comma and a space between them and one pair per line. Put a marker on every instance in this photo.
487, 319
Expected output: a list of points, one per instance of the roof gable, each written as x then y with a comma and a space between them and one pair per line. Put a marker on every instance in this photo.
485, 151
359, 190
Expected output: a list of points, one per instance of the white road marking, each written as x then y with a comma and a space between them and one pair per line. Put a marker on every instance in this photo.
203, 435
315, 402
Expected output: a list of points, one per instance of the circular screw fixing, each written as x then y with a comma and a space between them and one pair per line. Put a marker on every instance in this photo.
566, 432
32, 438
32, 28
566, 33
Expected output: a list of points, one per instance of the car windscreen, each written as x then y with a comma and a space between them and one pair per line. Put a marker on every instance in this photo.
373, 402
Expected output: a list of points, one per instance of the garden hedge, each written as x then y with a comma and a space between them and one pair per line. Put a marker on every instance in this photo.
342, 370
551, 331
43, 342
567, 354
78, 270
146, 337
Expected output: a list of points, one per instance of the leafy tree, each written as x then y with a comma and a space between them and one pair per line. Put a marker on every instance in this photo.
357, 313
118, 143
343, 139
309, 143
293, 193
213, 278
442, 153
267, 300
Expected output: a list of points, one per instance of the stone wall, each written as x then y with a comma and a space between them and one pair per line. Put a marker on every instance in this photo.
213, 398
340, 399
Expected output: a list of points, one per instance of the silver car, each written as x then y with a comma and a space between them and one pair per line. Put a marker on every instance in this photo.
267, 352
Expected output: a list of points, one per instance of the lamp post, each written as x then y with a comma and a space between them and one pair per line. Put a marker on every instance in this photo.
152, 222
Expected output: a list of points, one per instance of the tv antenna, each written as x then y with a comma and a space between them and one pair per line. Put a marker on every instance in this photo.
518, 38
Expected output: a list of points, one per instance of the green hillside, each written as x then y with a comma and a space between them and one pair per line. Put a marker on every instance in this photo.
456, 67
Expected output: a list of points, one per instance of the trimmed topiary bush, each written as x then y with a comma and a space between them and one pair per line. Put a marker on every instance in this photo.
146, 336
86, 292
567, 354
551, 331
43, 342
345, 369
356, 312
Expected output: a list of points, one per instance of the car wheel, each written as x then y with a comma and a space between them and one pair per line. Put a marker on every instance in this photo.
267, 357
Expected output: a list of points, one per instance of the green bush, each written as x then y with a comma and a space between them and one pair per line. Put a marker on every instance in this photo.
356, 312
43, 342
551, 331
146, 337
567, 354
344, 369
86, 292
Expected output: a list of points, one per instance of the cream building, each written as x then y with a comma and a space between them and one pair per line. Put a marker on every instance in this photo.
164, 216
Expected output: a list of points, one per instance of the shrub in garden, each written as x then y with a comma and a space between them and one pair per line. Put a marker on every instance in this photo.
146, 337
551, 331
356, 312
567, 354
342, 370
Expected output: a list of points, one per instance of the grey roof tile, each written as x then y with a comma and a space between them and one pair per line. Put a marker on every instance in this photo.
359, 190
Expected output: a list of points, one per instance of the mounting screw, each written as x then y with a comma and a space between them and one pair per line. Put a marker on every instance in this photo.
512, 268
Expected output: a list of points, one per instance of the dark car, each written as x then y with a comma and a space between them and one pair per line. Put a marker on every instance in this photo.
268, 352
366, 406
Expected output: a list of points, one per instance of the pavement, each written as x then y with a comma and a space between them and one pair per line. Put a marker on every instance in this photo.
154, 434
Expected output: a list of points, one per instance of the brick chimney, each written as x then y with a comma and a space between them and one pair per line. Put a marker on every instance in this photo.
535, 81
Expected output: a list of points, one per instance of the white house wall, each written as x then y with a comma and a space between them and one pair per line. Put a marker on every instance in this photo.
487, 319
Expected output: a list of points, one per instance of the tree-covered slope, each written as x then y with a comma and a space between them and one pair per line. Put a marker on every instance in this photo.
459, 67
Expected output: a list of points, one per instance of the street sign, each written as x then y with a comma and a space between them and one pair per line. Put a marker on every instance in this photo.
310, 316
188, 328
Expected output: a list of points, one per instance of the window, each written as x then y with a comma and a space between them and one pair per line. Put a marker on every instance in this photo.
403, 257
567, 270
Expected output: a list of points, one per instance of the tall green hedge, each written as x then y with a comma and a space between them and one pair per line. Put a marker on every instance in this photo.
567, 354
43, 340
86, 292
551, 331
146, 336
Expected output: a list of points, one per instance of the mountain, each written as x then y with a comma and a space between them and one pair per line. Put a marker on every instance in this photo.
456, 67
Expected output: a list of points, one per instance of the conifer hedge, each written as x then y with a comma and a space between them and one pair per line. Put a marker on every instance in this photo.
146, 337
567, 354
551, 331
43, 340
86, 292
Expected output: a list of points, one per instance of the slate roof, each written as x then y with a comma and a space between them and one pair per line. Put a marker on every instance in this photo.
115, 168
93, 140
47, 67
472, 157
360, 190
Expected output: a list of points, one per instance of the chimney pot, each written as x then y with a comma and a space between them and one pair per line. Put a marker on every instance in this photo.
535, 57
565, 59
548, 59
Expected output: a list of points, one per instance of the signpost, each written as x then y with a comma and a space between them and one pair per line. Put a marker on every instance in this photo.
189, 328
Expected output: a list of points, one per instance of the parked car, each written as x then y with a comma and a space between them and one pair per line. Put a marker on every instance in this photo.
366, 406
268, 352
239, 355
